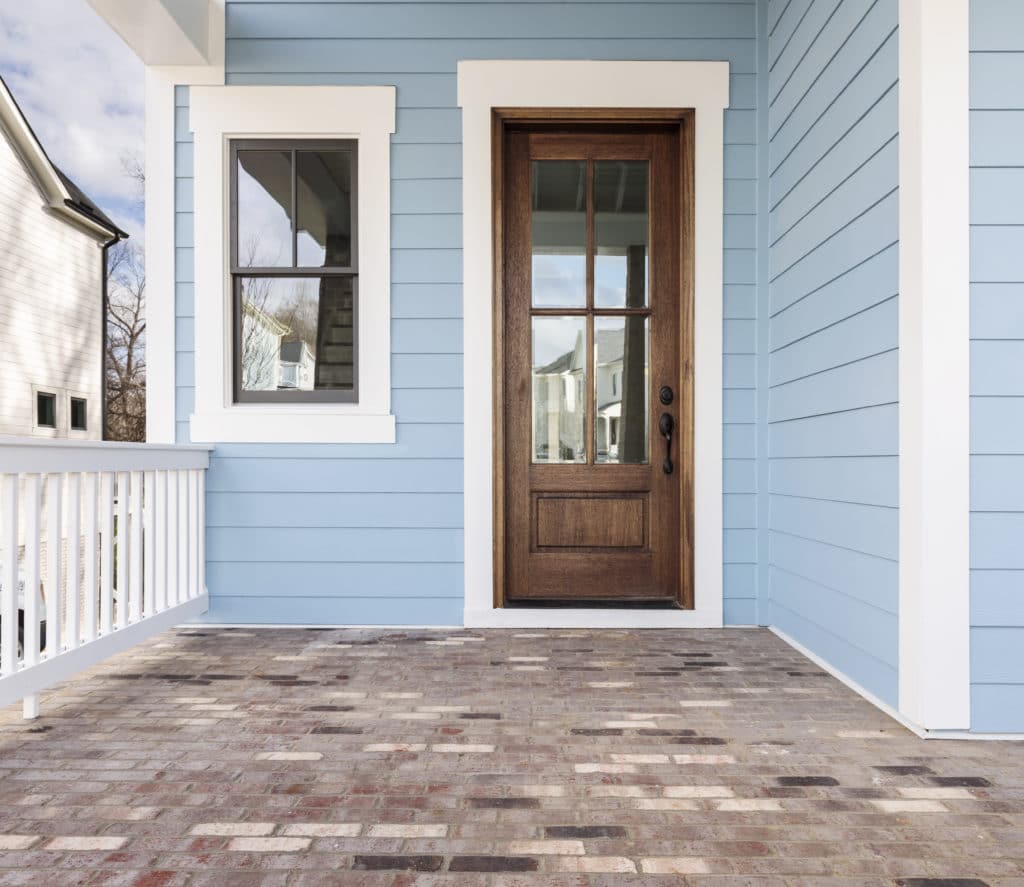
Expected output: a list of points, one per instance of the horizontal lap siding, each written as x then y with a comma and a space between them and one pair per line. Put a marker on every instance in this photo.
184, 261
51, 287
997, 366
831, 376
373, 534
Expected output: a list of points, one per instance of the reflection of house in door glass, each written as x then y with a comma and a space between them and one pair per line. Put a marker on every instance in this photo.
559, 391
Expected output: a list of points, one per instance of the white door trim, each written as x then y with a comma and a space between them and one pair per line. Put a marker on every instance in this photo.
483, 86
934, 364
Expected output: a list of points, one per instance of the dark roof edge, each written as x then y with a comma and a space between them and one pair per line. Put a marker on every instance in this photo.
81, 204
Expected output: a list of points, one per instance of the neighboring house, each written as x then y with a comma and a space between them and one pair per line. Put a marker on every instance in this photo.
297, 365
53, 242
801, 218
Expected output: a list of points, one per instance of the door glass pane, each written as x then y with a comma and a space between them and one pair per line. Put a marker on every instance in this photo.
323, 192
264, 209
559, 233
297, 334
559, 381
620, 374
620, 233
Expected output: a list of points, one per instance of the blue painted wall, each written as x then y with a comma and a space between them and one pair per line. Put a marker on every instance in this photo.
373, 533
830, 378
997, 365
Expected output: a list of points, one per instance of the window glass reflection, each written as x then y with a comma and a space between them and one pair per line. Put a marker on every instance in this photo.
559, 381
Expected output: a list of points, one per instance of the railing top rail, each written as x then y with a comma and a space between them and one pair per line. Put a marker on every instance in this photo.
29, 455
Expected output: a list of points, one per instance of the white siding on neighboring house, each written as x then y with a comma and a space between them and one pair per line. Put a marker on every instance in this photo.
51, 313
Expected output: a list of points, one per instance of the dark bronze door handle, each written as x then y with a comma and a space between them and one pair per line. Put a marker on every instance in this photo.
666, 424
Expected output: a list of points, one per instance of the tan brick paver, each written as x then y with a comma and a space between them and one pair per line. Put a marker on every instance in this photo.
302, 758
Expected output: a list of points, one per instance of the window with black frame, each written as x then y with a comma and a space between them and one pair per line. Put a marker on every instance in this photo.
294, 271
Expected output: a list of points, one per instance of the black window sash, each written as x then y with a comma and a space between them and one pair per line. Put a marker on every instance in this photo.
324, 395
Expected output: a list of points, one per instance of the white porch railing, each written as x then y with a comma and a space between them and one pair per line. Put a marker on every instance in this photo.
101, 546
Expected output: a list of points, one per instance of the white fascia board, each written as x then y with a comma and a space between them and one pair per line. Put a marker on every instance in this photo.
33, 155
934, 364
167, 32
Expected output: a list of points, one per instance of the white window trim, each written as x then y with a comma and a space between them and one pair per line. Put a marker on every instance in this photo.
222, 113
79, 433
483, 86
934, 365
59, 412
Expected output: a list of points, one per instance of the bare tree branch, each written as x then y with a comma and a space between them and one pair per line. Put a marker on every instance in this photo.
126, 341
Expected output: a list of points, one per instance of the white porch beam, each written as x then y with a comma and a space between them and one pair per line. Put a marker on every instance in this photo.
934, 364
167, 32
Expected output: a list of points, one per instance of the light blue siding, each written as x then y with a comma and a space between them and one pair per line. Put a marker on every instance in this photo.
829, 379
184, 277
372, 534
997, 366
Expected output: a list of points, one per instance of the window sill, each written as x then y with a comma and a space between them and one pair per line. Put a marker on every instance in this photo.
291, 425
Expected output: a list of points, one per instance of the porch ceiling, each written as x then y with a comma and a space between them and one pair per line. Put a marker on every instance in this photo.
279, 756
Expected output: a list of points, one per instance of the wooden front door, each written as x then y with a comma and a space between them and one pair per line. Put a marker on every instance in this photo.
595, 395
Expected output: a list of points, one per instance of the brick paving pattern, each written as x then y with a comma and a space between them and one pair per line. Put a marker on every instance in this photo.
296, 758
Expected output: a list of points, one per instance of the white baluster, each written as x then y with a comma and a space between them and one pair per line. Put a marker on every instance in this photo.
92, 546
9, 577
201, 531
160, 524
134, 548
183, 539
106, 552
193, 541
148, 543
71, 629
53, 588
33, 531
30, 631
172, 538
122, 534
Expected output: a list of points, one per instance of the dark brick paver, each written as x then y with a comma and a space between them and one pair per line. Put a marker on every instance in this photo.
298, 758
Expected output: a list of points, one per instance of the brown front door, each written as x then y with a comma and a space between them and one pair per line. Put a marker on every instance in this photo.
596, 390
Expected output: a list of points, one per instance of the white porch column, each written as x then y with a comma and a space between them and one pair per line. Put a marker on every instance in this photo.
934, 365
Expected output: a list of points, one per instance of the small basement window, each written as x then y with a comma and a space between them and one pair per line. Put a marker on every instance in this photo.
79, 414
46, 409
294, 271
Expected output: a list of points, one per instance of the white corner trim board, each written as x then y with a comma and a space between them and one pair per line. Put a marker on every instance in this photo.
483, 86
160, 241
934, 364
219, 114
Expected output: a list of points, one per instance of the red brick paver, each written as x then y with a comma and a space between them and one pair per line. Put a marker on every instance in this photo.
296, 758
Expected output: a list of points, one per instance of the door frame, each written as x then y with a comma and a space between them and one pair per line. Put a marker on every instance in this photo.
682, 380
584, 89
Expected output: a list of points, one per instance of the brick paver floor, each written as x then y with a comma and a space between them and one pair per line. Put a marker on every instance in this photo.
288, 757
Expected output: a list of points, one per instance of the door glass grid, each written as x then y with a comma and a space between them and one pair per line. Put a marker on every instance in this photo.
590, 327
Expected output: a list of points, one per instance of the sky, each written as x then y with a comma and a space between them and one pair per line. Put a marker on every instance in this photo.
82, 91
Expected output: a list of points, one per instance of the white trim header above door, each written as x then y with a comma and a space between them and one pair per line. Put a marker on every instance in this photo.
482, 87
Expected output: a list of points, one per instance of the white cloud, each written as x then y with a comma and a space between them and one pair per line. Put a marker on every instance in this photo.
81, 89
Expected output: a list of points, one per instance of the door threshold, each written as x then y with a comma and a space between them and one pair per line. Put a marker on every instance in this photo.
591, 617
660, 604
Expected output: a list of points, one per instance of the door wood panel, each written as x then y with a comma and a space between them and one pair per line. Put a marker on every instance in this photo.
593, 318
590, 522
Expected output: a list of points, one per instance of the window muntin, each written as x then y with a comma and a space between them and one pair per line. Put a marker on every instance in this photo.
46, 409
79, 414
294, 271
